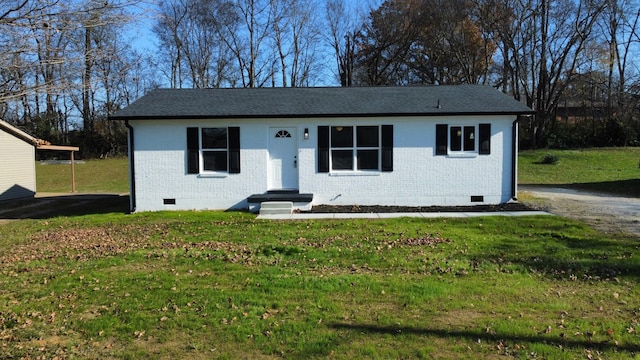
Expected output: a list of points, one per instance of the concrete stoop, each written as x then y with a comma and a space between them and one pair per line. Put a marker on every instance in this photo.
276, 208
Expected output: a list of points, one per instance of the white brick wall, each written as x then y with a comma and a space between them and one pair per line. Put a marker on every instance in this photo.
419, 178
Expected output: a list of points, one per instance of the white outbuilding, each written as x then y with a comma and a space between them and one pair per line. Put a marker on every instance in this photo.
17, 162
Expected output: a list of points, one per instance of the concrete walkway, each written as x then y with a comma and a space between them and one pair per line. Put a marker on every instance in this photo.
426, 215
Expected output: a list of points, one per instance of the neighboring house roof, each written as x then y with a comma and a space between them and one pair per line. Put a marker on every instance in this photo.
321, 102
38, 143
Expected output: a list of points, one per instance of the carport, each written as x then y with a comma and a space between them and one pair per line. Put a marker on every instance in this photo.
71, 150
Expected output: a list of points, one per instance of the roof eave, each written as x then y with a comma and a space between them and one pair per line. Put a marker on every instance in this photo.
18, 133
291, 116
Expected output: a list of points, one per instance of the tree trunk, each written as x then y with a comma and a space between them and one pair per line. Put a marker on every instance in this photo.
86, 81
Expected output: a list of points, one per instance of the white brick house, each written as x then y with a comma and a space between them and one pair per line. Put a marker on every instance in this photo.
408, 146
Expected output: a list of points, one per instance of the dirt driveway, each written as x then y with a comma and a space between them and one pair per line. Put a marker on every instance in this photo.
608, 213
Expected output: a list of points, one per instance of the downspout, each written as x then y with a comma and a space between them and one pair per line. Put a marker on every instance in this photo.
514, 159
132, 171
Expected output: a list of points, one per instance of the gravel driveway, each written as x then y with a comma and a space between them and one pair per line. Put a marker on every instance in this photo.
606, 212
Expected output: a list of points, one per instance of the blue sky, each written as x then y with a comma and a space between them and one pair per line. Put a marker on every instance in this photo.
144, 41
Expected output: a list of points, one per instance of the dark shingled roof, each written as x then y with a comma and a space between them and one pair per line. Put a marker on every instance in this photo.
321, 102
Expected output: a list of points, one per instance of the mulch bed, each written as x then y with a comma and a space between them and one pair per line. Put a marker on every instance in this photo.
432, 209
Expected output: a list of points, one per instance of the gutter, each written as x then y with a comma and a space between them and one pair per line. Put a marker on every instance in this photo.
132, 171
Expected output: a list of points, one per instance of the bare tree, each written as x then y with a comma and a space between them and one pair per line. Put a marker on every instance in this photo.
172, 17
247, 41
541, 45
620, 31
341, 38
558, 33
281, 11
16, 11
205, 54
295, 39
221, 43
48, 53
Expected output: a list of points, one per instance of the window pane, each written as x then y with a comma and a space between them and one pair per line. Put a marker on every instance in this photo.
441, 139
484, 139
367, 136
456, 138
342, 159
469, 138
214, 138
367, 159
214, 160
283, 134
342, 136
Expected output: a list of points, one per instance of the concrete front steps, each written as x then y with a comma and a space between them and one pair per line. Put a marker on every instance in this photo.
279, 202
276, 208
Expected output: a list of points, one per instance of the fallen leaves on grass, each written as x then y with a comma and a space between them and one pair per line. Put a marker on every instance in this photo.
427, 240
83, 244
159, 241
93, 243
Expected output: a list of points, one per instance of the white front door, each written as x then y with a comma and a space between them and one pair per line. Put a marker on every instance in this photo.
283, 159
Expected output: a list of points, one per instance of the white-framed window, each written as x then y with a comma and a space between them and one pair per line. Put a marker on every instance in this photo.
213, 150
463, 139
355, 148
364, 148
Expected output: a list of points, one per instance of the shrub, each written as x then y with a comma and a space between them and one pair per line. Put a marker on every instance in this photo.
549, 159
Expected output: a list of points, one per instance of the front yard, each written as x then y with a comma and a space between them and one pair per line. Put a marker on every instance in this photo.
225, 285
202, 285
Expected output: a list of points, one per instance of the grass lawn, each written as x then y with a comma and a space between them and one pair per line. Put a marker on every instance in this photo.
225, 285
614, 170
205, 285
102, 175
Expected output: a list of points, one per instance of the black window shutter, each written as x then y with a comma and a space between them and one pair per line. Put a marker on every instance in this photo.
387, 147
441, 139
234, 150
193, 151
484, 138
323, 149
